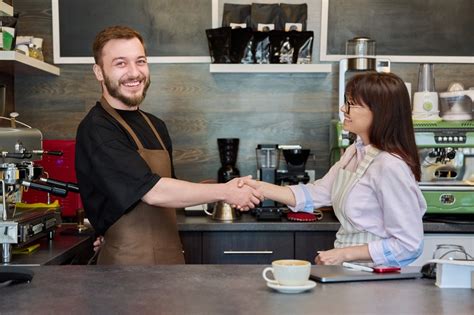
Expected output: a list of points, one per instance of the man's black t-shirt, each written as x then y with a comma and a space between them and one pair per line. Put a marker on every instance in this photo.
112, 176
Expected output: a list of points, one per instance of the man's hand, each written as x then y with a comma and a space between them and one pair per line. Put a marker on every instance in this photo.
242, 196
98, 243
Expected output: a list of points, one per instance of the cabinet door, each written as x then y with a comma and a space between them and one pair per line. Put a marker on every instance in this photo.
192, 247
308, 243
246, 247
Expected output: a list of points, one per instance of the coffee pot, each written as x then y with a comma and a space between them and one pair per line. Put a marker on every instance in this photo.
223, 212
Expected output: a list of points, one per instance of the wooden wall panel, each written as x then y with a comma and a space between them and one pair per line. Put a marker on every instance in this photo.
200, 107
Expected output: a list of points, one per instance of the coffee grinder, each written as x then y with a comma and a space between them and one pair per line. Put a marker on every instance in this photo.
228, 149
268, 157
296, 167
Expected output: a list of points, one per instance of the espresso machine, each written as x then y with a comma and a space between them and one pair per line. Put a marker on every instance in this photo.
446, 150
361, 57
20, 223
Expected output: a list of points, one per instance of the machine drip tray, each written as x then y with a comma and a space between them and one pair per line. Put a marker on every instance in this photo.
467, 218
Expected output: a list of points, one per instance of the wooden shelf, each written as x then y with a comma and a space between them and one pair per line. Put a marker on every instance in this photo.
6, 9
14, 62
270, 68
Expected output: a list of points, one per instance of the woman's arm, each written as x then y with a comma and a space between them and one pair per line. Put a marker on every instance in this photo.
337, 256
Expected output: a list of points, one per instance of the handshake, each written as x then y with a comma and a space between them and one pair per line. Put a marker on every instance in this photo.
243, 193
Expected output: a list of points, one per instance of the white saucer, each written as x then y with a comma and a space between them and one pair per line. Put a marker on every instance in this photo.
292, 289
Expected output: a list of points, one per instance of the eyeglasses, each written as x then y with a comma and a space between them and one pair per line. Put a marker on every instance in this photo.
350, 104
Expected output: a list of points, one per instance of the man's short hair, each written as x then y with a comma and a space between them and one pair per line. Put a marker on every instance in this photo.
109, 33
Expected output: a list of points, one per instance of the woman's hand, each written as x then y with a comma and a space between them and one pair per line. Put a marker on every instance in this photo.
334, 256
337, 256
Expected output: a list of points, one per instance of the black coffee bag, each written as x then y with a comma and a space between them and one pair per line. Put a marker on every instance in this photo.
236, 15
293, 16
303, 46
241, 45
219, 41
261, 47
265, 17
281, 47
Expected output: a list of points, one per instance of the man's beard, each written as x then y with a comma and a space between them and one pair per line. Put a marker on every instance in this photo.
114, 90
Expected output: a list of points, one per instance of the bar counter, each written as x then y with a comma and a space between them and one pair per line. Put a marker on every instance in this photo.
217, 289
66, 247
329, 222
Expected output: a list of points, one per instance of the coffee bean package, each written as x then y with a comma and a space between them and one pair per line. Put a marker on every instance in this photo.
219, 41
261, 47
241, 45
265, 17
236, 15
293, 16
303, 45
281, 47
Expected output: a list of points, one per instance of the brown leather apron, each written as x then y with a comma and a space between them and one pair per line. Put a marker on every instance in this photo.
146, 235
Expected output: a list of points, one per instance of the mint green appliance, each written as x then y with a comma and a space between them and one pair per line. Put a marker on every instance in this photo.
446, 150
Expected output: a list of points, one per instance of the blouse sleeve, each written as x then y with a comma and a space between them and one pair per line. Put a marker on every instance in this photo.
403, 207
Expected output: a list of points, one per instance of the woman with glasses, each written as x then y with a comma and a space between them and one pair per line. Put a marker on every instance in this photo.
373, 187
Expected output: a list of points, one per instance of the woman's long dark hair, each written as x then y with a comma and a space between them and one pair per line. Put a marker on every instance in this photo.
392, 128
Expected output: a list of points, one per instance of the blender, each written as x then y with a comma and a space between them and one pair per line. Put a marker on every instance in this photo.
425, 100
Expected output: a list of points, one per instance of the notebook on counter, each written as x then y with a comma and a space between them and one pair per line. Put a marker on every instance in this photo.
328, 274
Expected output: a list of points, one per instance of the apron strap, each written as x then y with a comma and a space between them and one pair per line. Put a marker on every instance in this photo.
157, 135
370, 154
112, 112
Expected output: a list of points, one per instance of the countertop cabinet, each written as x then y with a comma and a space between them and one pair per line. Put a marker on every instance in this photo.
192, 247
247, 241
222, 247
307, 244
246, 248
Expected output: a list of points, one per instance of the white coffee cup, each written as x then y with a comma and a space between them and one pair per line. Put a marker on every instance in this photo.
289, 272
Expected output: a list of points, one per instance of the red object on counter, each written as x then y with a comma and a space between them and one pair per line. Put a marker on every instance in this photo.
301, 216
62, 169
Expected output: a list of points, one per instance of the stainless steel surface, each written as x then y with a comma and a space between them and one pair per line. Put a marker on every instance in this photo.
361, 64
20, 226
17, 139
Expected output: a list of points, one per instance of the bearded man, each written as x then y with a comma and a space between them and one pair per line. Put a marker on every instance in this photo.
124, 163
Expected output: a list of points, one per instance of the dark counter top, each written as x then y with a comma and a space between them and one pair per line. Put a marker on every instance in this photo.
329, 223
217, 289
65, 247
